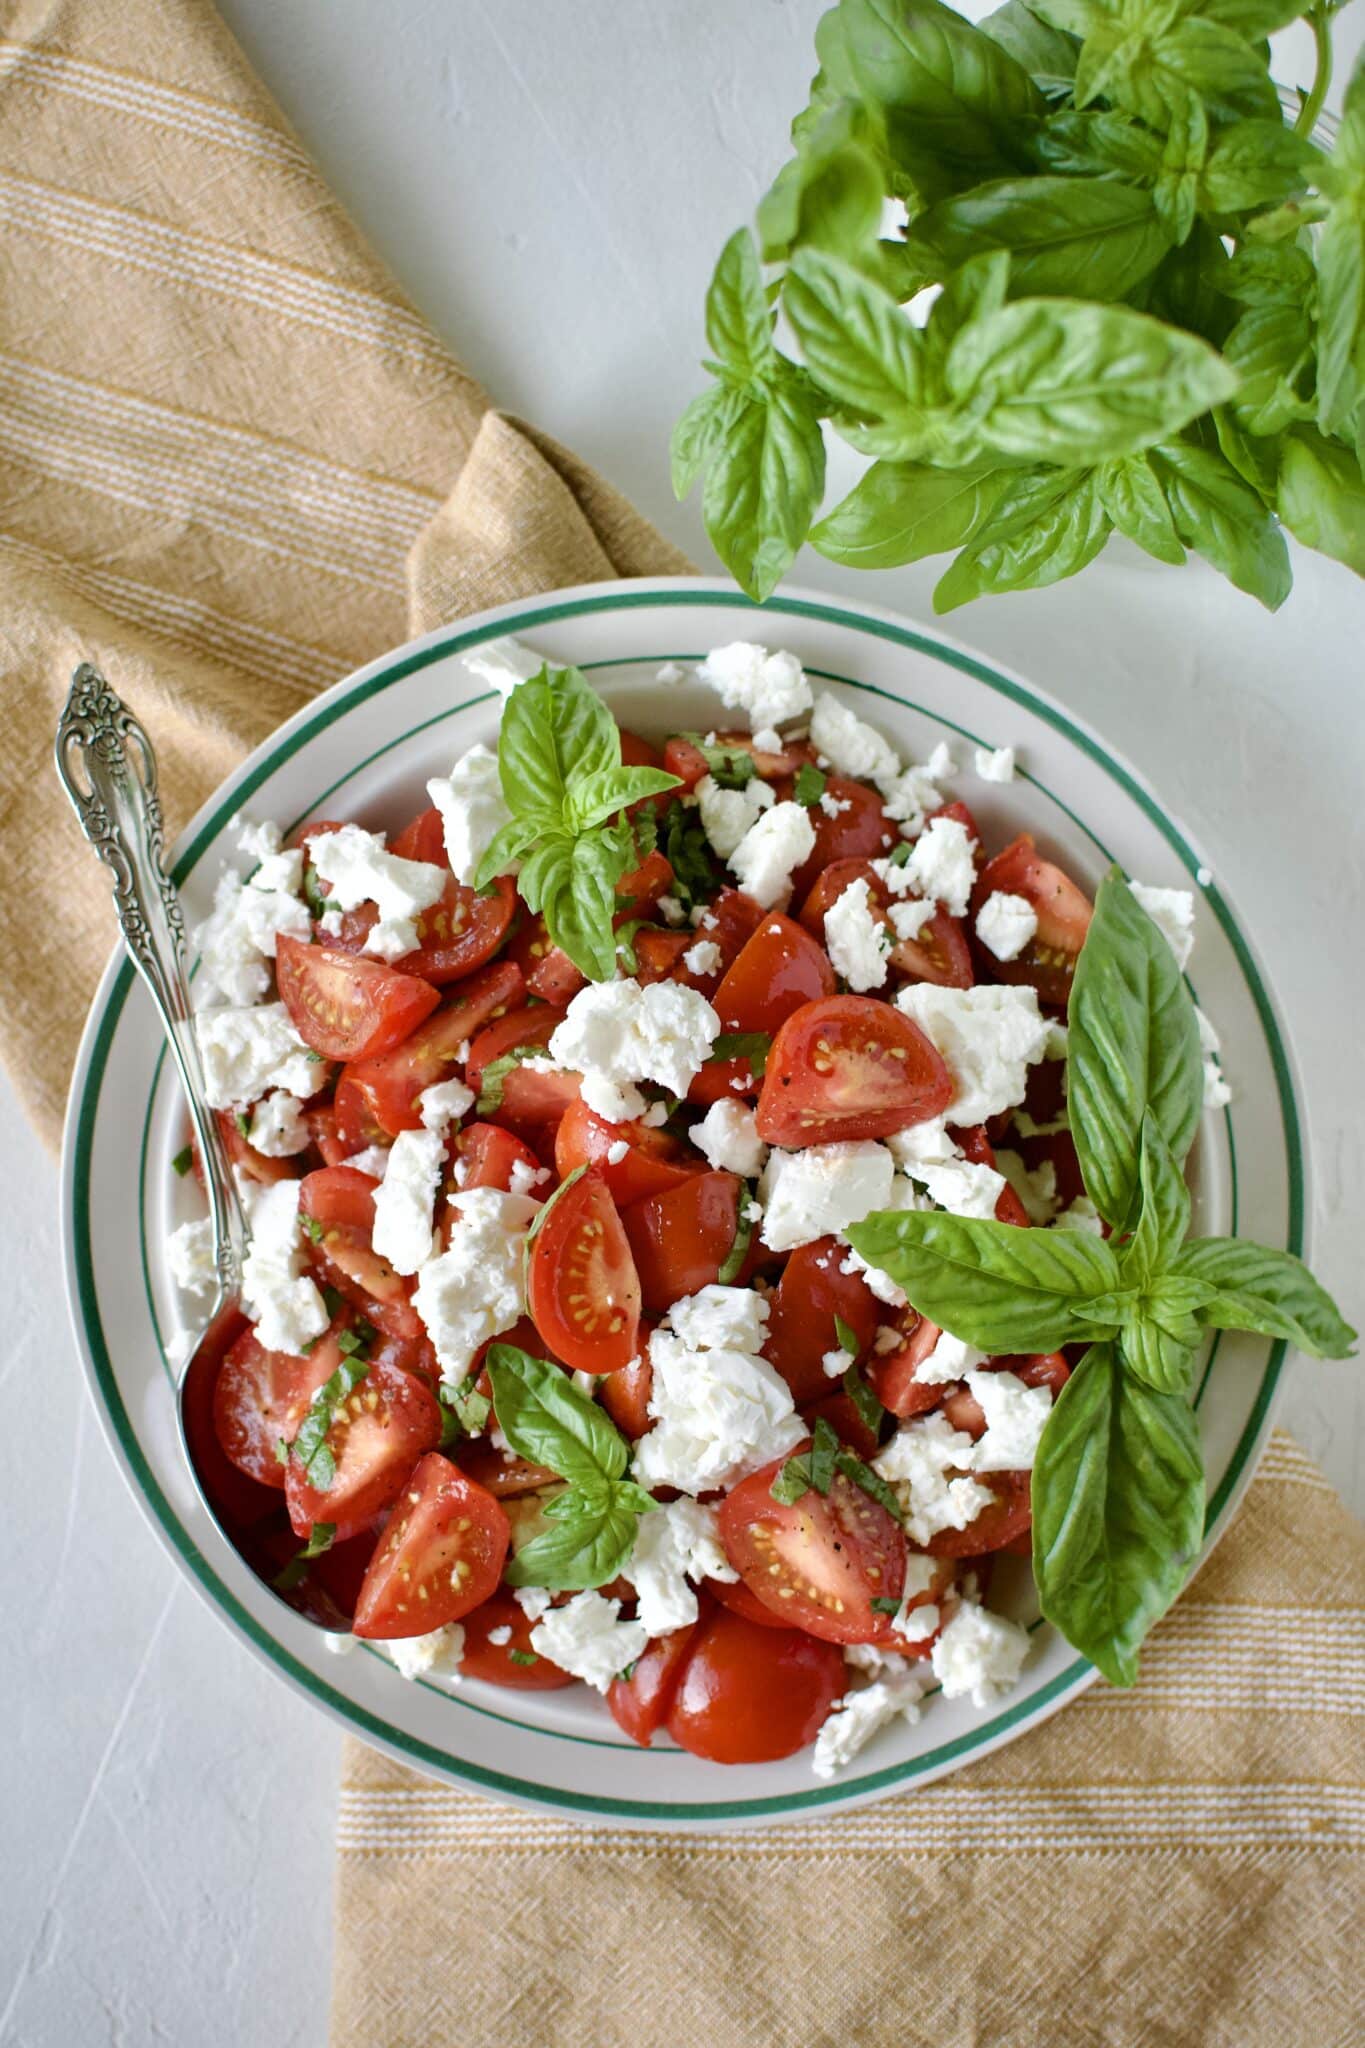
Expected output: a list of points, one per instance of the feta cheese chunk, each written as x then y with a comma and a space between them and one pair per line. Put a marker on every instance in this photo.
910, 796
929, 1464
720, 1410
848, 745
768, 688
1035, 1186
1015, 1415
705, 957
979, 1653
247, 1052
588, 1638
437, 1653
994, 764
822, 1190
405, 1200
443, 1104
473, 1290
237, 941
938, 1164
859, 1716
718, 1318
856, 939
949, 1360
989, 1036
770, 850
473, 810
277, 1128
910, 916
941, 865
728, 1136
727, 815
277, 1294
617, 1034
1217, 1093
189, 1255
532, 1600
1172, 912
359, 870
503, 663
1006, 923
673, 1545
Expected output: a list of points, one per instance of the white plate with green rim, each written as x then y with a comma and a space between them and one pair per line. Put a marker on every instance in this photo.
364, 751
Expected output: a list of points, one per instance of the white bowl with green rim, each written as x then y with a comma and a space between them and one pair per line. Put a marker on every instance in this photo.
364, 750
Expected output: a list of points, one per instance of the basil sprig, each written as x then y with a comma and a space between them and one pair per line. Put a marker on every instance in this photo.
549, 1422
1134, 333
559, 764
1118, 1484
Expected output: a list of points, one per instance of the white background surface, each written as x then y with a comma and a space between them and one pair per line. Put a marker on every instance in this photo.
551, 180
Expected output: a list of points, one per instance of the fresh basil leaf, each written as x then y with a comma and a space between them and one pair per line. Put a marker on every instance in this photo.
1251, 18
948, 93
1061, 381
829, 196
183, 1161
753, 1046
577, 1553
739, 324
1045, 524
1133, 1047
899, 512
1341, 269
809, 786
1223, 520
555, 729
1256, 461
1164, 1217
1271, 349
1044, 52
1065, 236
994, 1285
1176, 194
1322, 497
596, 798
870, 1410
733, 1263
576, 890
1269, 1292
547, 1421
696, 878
1161, 1358
1136, 503
321, 1537
1099, 145
869, 1482
700, 430
857, 341
1118, 1510
1146, 69
1276, 274
763, 485
310, 1444
731, 767
1255, 163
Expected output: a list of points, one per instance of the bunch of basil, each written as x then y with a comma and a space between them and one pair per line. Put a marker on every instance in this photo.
1151, 316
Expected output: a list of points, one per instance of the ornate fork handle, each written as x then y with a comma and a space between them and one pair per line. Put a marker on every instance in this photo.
108, 770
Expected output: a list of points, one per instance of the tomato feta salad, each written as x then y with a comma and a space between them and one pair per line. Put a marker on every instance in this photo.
552, 1115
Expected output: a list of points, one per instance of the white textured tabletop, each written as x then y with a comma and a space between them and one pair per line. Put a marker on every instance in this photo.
551, 180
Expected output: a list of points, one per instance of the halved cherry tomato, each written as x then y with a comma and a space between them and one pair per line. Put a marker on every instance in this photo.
340, 1202
640, 1704
339, 1571
385, 1424
892, 1374
503, 1473
940, 954
1007, 1517
820, 1561
625, 1394
749, 1695
654, 1160
321, 1119
730, 921
243, 1157
687, 761
641, 889
1063, 911
841, 1412
377, 1098
581, 1285
682, 1238
493, 1158
780, 969
659, 955
1040, 1369
527, 1098
862, 831
345, 1005
454, 936
981, 1152
734, 1594
260, 1396
830, 885
495, 1663
849, 1067
439, 1558
813, 1290
962, 812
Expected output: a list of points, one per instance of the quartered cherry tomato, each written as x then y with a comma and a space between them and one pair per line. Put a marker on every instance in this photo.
526, 1099
819, 1561
1007, 1517
440, 1556
849, 1067
892, 1375
377, 1098
581, 1284
378, 1432
338, 1202
813, 1290
682, 1239
1063, 911
780, 969
492, 1158
347, 1006
510, 1662
259, 1399
860, 830
653, 1161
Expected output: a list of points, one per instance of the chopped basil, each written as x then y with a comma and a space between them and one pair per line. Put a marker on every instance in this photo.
356, 1341
753, 1046
791, 1482
824, 1452
870, 1409
625, 942
310, 1445
739, 1249
899, 855
243, 1123
494, 1078
523, 1656
183, 1161
696, 877
321, 1537
813, 1468
810, 785
872, 1483
847, 1339
315, 1231
628, 1671
731, 767
884, 1604
464, 1412
312, 892
333, 1300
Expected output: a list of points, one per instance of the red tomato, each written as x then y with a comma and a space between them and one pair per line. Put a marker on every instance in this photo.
641, 1703
683, 1237
344, 1005
581, 1285
243, 1156
749, 1695
861, 832
550, 973
495, 1662
780, 969
819, 1562
849, 1067
377, 1435
340, 1202
321, 1119
439, 1558
829, 887
502, 1472
734, 1594
641, 889
1040, 1369
840, 1411
813, 1290
376, 1098
940, 954
981, 1152
891, 1375
1063, 911
625, 1394
638, 753
454, 937
730, 921
260, 1396
654, 1161
527, 1098
491, 1156
659, 956
1007, 1517
957, 809
424, 839
687, 761
241, 1503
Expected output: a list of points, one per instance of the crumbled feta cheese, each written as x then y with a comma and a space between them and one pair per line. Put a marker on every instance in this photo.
720, 1410
727, 815
373, 1160
767, 740
834, 1364
822, 1190
617, 1151
473, 1290
1035, 1186
588, 1638
443, 1104
1217, 1093
949, 1360
405, 1200
1081, 1215
1172, 912
918, 1461
473, 810
671, 911
500, 1637
895, 880
728, 1136
503, 663
277, 1294
718, 1318
910, 796
247, 1052
237, 940
674, 1544
277, 1128
861, 1715
330, 923
703, 958
1006, 923
617, 1034
1015, 1415
532, 1600
941, 866
994, 764
979, 1653
849, 745
856, 939
189, 1255
670, 675
770, 688
917, 1624
438, 1653
910, 916
834, 806
770, 850
988, 1035
359, 870
937, 1162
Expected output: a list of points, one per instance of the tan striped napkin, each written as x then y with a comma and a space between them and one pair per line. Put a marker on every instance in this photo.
222, 434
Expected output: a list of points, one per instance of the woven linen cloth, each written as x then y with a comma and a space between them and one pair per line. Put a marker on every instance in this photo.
223, 435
